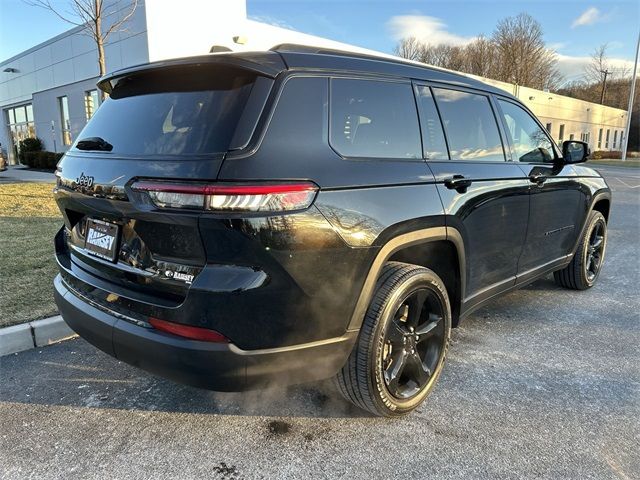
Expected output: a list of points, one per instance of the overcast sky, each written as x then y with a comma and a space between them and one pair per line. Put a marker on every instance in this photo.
573, 28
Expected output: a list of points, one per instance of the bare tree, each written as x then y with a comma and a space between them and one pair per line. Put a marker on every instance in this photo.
598, 68
442, 55
90, 15
409, 48
480, 57
523, 57
600, 71
515, 53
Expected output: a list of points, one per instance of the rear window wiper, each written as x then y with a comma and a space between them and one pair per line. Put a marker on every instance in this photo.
94, 143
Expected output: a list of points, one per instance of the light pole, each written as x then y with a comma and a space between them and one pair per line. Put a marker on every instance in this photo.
630, 108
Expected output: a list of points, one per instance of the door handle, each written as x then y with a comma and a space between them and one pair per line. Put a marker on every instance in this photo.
538, 179
458, 183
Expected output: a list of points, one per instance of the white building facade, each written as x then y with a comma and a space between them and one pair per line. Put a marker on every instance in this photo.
49, 90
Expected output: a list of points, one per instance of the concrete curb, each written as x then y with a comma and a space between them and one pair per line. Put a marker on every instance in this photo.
38, 333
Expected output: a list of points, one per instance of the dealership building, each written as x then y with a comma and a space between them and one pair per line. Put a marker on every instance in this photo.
49, 91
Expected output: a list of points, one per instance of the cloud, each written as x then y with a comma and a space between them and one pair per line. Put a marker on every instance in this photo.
572, 68
434, 31
590, 16
269, 20
557, 46
427, 29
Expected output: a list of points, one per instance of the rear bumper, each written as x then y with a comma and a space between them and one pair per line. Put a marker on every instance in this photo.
215, 366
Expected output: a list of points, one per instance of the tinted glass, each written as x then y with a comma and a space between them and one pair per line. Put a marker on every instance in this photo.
188, 111
470, 125
433, 143
300, 118
374, 119
530, 142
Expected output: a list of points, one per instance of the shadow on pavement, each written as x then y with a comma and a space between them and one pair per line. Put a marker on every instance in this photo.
74, 373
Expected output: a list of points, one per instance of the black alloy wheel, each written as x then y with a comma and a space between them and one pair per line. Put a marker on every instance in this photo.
585, 266
402, 344
595, 251
413, 343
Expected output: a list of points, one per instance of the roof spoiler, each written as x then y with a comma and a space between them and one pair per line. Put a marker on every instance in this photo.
266, 64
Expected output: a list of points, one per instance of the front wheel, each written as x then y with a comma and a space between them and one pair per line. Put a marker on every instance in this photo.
584, 269
402, 343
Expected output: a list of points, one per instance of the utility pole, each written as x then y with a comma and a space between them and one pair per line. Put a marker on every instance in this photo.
630, 108
604, 85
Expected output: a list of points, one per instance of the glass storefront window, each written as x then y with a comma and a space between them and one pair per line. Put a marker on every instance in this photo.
20, 125
64, 120
21, 115
91, 102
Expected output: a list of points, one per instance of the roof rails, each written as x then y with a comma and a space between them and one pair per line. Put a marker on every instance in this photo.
381, 57
299, 48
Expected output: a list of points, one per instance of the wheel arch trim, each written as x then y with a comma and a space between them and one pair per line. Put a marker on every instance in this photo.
603, 194
416, 237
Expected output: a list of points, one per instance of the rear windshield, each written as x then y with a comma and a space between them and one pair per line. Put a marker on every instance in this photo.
186, 111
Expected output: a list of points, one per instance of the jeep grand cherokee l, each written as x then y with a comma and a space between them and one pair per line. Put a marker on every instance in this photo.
239, 220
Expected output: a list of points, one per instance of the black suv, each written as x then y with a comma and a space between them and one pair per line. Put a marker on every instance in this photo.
238, 220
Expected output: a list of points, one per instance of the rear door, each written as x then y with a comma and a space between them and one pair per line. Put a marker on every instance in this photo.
485, 197
557, 200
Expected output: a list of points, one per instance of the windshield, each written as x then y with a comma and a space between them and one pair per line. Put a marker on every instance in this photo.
191, 110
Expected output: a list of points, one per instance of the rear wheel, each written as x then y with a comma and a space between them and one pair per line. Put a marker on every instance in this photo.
584, 269
402, 344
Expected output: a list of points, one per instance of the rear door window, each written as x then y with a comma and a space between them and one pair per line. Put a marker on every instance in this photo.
374, 119
470, 125
193, 110
433, 142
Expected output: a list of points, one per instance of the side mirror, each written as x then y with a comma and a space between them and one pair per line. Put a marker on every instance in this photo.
574, 151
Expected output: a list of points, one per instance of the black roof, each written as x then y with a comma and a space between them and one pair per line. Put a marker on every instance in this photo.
301, 57
317, 58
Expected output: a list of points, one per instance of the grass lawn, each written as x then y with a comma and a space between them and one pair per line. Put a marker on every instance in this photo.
630, 162
29, 218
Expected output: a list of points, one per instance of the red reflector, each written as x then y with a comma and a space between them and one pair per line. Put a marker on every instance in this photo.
187, 331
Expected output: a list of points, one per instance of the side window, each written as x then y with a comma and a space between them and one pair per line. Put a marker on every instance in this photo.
433, 142
300, 118
373, 119
470, 125
530, 142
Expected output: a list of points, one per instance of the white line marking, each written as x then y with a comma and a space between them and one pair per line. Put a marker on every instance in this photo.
625, 183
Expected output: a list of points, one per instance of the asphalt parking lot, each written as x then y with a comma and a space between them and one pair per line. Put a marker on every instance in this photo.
542, 383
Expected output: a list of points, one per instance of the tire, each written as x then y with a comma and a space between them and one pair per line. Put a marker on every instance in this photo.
580, 273
383, 374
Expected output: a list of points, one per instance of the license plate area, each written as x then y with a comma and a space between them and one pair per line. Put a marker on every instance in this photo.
101, 239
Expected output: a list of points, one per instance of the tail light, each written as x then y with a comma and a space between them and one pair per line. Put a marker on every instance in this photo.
187, 331
231, 197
